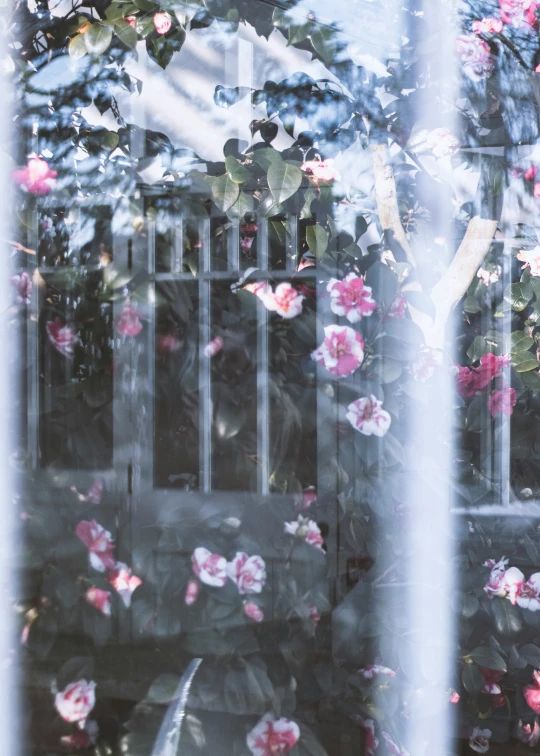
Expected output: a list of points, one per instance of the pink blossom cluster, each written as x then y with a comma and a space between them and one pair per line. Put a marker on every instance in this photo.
248, 232
162, 22
442, 143
530, 259
341, 352
531, 693
479, 740
62, 336
101, 556
530, 735
519, 13
285, 300
23, 287
248, 573
128, 323
475, 56
321, 170
306, 530
511, 584
273, 737
473, 380
351, 298
367, 416
37, 177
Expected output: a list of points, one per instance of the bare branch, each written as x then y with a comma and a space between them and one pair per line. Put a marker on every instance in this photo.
386, 196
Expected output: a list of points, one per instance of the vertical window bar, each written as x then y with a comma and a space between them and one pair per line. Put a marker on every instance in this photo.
263, 401
177, 250
205, 387
32, 354
233, 250
291, 250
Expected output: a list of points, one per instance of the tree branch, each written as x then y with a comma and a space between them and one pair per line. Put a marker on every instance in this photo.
386, 196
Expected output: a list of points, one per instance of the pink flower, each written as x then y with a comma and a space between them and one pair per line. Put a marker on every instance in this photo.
475, 56
63, 337
131, 20
341, 352
253, 611
37, 177
81, 739
491, 679
372, 670
454, 697
248, 573
488, 26
99, 599
99, 542
531, 259
426, 364
502, 401
76, 701
398, 308
536, 190
350, 298
488, 276
479, 740
307, 530
442, 143
273, 737
285, 300
168, 343
211, 569
495, 584
128, 323
309, 497
321, 170
527, 734
193, 589
532, 693
23, 286
370, 741
124, 582
529, 594
512, 584
162, 22
530, 173
246, 243
520, 13
367, 416
314, 614
213, 347
393, 747
95, 492
470, 379
259, 288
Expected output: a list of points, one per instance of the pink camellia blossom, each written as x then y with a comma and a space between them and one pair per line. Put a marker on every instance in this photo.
99, 543
100, 600
475, 56
81, 738
162, 22
307, 530
248, 573
62, 336
351, 298
491, 680
246, 243
273, 737
398, 308
315, 614
285, 300
470, 380
519, 13
536, 190
488, 276
502, 401
76, 701
531, 259
487, 26
168, 343
479, 740
128, 323
37, 177
393, 747
253, 611
261, 289
131, 20
512, 584
530, 173
23, 287
341, 352
123, 582
527, 734
367, 416
193, 589
211, 569
531, 693
213, 347
426, 364
442, 143
529, 594
454, 697
321, 170
370, 741
309, 497
495, 584
372, 670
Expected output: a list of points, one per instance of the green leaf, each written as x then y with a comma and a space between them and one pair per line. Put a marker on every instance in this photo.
477, 349
317, 239
225, 192
163, 689
284, 180
126, 33
383, 283
473, 681
518, 295
236, 171
531, 654
244, 204
524, 361
485, 657
97, 39
77, 47
477, 415
298, 33
266, 156
520, 341
324, 43
507, 618
146, 5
